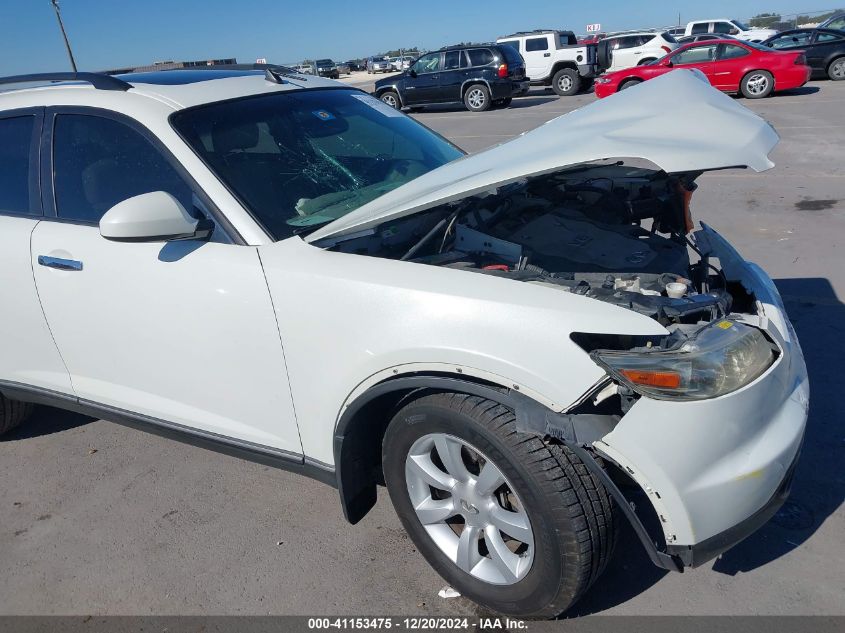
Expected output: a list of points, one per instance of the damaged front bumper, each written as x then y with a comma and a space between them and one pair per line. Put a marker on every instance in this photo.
716, 470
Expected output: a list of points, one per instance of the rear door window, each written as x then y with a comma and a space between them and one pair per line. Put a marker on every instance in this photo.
699, 27
16, 169
536, 44
452, 60
480, 56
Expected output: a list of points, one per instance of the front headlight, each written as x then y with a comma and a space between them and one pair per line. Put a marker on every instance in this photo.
602, 80
718, 359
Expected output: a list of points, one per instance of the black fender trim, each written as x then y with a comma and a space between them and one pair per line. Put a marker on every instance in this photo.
357, 483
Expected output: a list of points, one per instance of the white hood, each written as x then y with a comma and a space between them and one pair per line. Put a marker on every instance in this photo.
677, 121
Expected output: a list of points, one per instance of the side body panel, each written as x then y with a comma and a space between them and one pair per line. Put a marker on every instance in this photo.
180, 331
350, 320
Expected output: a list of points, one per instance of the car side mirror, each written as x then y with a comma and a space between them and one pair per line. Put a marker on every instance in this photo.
734, 32
152, 217
412, 73
668, 63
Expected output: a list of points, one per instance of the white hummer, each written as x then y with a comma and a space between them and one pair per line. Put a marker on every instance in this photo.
554, 58
725, 26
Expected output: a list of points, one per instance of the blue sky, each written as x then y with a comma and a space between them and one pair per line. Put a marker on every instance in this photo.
115, 33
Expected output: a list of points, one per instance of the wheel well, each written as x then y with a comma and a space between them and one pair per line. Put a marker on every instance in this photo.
359, 434
561, 65
629, 80
833, 61
469, 84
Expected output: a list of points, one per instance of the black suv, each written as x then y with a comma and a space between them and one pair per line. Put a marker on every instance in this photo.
327, 68
480, 76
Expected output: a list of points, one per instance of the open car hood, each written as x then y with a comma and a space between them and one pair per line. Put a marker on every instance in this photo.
676, 121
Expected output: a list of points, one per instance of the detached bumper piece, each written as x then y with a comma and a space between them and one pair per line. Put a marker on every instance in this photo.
700, 553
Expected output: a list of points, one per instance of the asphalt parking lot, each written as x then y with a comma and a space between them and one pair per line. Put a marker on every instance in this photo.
96, 518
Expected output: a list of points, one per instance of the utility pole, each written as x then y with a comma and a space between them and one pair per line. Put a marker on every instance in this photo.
55, 4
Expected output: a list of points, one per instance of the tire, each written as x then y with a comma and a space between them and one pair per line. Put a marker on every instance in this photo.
503, 103
836, 69
566, 82
629, 83
570, 516
12, 413
604, 55
391, 98
477, 98
757, 84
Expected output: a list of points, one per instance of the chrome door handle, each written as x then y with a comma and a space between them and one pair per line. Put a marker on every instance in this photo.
58, 262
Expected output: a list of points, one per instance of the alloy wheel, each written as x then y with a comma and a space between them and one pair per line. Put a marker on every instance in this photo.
476, 98
390, 100
838, 69
757, 84
469, 509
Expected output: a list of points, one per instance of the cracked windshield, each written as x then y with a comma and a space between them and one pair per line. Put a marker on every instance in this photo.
300, 160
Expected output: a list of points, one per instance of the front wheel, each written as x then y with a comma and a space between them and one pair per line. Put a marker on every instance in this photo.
517, 525
566, 82
757, 84
629, 83
836, 70
391, 98
477, 98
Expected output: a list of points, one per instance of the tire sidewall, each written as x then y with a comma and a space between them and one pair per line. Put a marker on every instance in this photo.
575, 85
395, 95
840, 61
744, 84
542, 583
487, 99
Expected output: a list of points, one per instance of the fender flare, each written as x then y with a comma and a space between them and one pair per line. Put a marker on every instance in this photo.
392, 87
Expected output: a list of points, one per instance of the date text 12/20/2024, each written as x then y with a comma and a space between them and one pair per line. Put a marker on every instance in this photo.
417, 623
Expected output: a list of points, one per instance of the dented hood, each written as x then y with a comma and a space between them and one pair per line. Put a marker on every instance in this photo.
677, 121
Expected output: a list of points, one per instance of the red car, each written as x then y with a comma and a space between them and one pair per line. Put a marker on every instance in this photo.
729, 65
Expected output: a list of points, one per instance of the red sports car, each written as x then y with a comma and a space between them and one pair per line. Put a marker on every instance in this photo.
729, 65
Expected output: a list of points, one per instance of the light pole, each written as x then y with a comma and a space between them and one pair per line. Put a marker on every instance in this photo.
64, 34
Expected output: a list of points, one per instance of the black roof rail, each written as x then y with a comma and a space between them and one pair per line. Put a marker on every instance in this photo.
272, 72
98, 80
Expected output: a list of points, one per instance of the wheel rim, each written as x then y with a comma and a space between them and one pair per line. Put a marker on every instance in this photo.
389, 100
839, 69
564, 82
476, 98
469, 509
757, 84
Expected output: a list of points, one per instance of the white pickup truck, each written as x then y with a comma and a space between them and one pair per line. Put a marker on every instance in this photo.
554, 58
725, 26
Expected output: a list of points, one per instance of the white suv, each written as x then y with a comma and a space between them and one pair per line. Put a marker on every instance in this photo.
284, 268
626, 50
724, 26
554, 58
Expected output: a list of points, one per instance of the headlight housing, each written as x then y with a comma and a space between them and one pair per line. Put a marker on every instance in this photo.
718, 359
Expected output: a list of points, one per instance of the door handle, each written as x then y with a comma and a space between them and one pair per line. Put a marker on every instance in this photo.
59, 263
547, 54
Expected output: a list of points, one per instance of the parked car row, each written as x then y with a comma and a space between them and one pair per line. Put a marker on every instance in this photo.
783, 62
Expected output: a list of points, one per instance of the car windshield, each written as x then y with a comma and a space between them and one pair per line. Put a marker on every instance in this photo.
324, 62
298, 160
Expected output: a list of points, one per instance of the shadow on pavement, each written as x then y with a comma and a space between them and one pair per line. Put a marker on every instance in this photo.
45, 421
819, 487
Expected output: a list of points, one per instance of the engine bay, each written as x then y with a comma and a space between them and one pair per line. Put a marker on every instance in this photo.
610, 231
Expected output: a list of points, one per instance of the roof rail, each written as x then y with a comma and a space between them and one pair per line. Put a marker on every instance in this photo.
98, 80
272, 72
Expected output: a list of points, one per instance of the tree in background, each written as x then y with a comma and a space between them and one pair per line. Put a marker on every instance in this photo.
764, 20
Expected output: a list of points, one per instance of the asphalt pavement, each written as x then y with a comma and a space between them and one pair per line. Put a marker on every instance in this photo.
96, 518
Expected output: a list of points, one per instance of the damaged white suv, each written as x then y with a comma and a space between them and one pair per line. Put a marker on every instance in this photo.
283, 268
